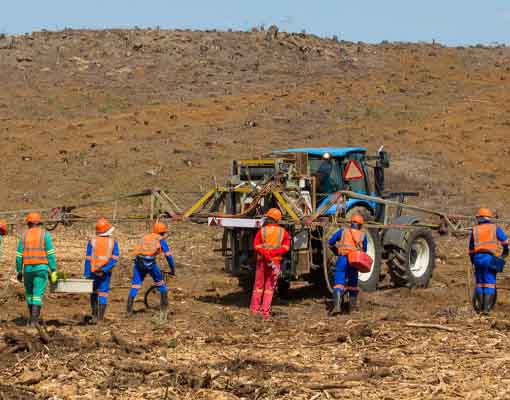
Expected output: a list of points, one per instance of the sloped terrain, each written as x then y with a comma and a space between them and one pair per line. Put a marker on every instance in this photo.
98, 108
86, 114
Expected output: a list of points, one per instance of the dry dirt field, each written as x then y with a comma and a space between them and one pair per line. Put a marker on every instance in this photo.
88, 114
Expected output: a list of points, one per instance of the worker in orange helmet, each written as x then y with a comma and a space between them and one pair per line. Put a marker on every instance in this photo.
341, 244
35, 263
271, 243
145, 262
102, 255
483, 246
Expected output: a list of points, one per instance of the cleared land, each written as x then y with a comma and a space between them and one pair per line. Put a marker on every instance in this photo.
85, 114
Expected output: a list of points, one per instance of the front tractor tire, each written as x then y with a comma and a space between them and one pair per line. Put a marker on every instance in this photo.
367, 281
412, 263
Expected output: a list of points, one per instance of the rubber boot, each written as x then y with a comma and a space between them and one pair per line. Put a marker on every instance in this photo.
346, 304
36, 312
101, 312
477, 302
163, 313
129, 308
34, 317
93, 307
29, 319
488, 303
485, 304
164, 301
337, 303
353, 300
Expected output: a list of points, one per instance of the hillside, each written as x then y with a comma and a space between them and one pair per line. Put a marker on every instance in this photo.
86, 113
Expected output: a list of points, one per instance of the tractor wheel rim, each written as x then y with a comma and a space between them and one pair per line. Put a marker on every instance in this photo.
419, 257
365, 276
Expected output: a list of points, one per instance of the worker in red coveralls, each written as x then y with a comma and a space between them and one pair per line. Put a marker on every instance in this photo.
271, 243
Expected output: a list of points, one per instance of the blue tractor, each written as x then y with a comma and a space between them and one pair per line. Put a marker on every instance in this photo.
302, 182
332, 168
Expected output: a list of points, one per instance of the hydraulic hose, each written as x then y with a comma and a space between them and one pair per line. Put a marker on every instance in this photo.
325, 264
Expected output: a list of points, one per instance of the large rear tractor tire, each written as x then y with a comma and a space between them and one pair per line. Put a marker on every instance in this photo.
230, 245
412, 263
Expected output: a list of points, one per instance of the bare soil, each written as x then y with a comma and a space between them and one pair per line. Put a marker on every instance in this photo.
87, 114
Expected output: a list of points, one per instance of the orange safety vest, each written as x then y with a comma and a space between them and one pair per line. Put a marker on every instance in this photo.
272, 237
149, 246
351, 240
34, 246
485, 238
102, 252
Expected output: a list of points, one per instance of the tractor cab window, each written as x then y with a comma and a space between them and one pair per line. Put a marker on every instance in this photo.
327, 174
356, 185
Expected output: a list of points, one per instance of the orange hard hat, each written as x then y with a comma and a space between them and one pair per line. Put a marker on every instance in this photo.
160, 227
274, 213
357, 219
3, 228
34, 218
102, 225
484, 212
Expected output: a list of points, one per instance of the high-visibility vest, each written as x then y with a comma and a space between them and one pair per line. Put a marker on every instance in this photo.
351, 240
272, 237
102, 252
149, 246
485, 238
34, 246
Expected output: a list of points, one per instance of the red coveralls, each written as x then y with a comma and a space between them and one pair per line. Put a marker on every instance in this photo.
271, 243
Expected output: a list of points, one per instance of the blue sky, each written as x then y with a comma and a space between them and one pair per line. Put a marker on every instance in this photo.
450, 22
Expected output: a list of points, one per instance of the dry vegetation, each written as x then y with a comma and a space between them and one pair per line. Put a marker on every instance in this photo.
84, 114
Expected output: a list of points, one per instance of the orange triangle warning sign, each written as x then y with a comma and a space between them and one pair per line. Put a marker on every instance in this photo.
353, 171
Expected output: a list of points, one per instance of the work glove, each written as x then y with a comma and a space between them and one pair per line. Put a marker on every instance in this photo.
19, 276
264, 253
54, 277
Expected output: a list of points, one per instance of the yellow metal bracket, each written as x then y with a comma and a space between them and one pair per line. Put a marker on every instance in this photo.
286, 206
200, 203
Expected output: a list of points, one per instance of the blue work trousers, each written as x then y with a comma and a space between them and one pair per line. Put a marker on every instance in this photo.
485, 274
140, 271
346, 277
101, 287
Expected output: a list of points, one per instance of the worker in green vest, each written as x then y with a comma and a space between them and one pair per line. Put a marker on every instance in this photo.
35, 261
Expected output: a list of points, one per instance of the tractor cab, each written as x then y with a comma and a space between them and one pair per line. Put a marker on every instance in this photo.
344, 168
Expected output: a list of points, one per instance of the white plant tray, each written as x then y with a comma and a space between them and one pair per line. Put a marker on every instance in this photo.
72, 286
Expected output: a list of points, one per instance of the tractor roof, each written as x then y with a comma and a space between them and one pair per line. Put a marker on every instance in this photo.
319, 151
